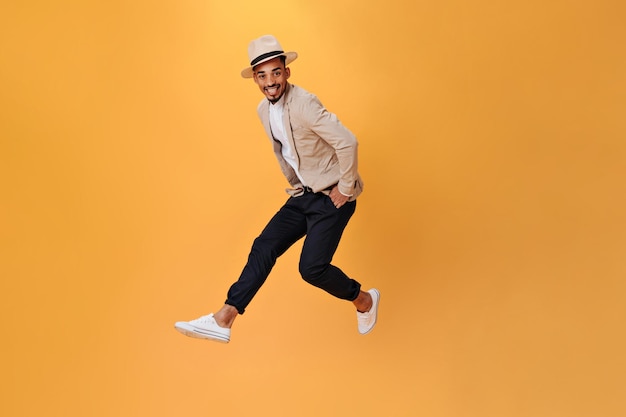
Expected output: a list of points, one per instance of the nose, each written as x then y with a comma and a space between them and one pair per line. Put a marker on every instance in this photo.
271, 79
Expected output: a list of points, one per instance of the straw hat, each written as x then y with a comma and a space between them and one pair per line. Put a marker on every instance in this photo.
263, 49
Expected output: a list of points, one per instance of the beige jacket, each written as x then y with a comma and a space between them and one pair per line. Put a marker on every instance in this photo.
326, 150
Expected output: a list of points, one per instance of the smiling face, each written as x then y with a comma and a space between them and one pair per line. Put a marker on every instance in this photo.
271, 77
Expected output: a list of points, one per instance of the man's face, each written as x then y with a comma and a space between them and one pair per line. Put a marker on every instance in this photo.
271, 77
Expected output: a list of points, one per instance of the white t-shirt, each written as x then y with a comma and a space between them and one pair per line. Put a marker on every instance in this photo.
278, 131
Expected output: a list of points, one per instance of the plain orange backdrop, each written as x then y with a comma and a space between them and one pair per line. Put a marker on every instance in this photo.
134, 176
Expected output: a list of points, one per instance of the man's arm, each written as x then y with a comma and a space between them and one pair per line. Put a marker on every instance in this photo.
328, 127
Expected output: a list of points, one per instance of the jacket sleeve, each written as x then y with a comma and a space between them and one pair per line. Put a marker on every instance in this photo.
328, 127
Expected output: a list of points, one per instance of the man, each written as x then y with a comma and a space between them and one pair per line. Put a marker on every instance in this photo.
318, 156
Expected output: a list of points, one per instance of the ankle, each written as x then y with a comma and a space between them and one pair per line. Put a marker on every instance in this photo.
363, 302
226, 316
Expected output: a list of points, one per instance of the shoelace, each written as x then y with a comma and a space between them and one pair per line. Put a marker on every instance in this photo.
365, 317
203, 319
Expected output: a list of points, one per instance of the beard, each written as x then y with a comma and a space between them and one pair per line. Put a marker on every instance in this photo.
274, 93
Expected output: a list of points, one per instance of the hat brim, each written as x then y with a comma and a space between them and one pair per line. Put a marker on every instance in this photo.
289, 58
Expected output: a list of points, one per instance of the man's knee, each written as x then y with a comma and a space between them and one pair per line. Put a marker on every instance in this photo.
312, 272
264, 248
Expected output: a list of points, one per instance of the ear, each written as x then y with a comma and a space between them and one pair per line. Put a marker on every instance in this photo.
287, 73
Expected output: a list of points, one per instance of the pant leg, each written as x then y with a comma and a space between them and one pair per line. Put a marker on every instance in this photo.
325, 226
284, 229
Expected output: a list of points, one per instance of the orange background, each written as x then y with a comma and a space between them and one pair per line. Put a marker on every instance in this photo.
135, 175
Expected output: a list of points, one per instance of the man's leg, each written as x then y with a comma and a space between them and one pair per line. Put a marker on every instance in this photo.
325, 226
284, 229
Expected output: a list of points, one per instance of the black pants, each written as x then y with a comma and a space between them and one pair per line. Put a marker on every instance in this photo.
312, 215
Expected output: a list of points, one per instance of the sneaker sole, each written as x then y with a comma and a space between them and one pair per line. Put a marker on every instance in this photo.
198, 333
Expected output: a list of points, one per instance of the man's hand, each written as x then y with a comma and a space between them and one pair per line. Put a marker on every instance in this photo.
337, 198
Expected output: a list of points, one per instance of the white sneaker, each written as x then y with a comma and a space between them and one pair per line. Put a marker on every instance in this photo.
366, 321
204, 328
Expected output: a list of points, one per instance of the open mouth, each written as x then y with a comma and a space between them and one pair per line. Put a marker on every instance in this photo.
271, 90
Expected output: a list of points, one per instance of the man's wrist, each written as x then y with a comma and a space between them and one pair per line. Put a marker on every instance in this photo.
344, 194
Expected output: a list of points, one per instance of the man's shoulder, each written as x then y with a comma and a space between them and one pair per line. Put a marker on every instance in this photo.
299, 93
262, 106
300, 99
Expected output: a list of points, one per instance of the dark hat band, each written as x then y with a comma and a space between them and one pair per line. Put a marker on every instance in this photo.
264, 56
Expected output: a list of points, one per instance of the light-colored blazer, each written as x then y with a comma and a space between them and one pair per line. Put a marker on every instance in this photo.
326, 150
